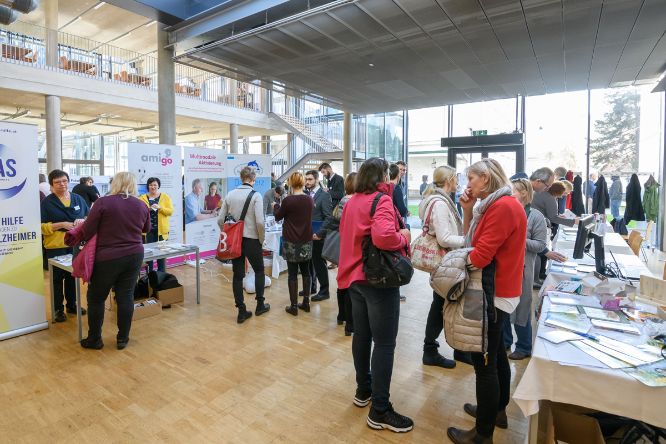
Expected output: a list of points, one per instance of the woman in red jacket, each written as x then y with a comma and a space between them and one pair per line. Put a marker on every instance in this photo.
375, 311
496, 229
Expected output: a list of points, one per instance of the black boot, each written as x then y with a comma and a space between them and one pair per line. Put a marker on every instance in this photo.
243, 315
437, 360
292, 308
459, 436
305, 306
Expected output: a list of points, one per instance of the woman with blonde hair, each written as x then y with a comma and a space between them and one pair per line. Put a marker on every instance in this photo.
495, 233
119, 221
537, 237
296, 210
446, 226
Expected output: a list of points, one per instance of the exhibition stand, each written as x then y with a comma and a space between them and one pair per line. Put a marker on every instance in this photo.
575, 358
152, 252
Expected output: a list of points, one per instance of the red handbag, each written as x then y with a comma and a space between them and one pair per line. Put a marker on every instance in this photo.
231, 236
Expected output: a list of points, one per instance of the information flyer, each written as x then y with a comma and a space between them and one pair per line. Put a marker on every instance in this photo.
261, 164
204, 190
22, 307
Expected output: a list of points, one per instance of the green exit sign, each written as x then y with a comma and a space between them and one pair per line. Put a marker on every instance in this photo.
479, 132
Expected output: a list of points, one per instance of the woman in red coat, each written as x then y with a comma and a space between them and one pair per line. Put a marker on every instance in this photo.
496, 229
375, 310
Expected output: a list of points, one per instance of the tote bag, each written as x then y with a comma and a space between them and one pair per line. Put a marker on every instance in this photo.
231, 236
331, 249
427, 254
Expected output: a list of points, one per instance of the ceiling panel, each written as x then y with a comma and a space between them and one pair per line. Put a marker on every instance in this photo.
434, 52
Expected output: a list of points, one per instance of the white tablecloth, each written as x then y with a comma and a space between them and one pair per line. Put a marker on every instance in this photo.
611, 391
272, 243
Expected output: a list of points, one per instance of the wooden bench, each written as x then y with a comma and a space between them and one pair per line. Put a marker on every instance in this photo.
19, 53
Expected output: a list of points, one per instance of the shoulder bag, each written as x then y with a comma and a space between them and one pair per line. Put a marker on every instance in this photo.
427, 254
231, 236
385, 269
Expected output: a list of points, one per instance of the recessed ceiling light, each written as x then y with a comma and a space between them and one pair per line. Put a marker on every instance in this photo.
371, 65
100, 5
150, 23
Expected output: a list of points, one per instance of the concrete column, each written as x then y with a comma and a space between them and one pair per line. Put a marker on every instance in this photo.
166, 90
265, 144
233, 138
51, 25
233, 91
53, 134
346, 144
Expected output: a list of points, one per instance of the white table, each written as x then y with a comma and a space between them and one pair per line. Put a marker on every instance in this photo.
272, 243
597, 388
152, 251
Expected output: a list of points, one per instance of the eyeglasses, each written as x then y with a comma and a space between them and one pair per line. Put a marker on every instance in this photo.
544, 182
60, 182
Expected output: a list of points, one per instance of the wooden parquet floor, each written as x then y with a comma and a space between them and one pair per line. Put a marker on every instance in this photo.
193, 375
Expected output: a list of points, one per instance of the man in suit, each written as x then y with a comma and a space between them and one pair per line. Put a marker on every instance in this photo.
321, 211
335, 183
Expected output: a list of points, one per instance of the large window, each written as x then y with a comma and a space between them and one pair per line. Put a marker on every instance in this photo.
556, 131
496, 117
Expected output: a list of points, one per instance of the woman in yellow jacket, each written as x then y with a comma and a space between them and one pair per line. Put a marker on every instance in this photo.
161, 209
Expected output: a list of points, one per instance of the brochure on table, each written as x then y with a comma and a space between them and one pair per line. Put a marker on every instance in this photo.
147, 160
205, 188
22, 308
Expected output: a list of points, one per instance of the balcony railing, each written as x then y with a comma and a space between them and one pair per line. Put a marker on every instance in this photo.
25, 44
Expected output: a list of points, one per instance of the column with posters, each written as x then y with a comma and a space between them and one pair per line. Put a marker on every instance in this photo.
164, 162
22, 306
204, 189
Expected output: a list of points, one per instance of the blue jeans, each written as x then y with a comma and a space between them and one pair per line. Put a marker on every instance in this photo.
524, 334
376, 312
615, 208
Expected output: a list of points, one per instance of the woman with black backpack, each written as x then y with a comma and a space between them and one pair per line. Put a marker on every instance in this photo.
375, 310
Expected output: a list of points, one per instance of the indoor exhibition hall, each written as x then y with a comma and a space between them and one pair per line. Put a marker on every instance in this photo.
333, 221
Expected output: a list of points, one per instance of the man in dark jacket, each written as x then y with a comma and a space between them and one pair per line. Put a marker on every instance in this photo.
335, 183
320, 213
87, 190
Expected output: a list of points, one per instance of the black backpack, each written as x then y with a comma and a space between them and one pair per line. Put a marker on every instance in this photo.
385, 269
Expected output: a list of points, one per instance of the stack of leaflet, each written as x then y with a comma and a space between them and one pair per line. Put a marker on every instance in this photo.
577, 320
564, 267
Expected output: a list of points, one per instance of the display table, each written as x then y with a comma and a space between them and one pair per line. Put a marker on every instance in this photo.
612, 391
152, 251
272, 243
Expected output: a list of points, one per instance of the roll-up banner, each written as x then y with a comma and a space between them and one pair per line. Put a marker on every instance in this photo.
204, 189
261, 164
164, 162
22, 306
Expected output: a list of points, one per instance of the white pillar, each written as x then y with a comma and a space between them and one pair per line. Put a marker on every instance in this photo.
233, 136
51, 25
346, 144
53, 134
166, 90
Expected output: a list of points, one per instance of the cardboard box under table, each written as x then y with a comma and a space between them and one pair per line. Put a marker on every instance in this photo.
143, 308
170, 296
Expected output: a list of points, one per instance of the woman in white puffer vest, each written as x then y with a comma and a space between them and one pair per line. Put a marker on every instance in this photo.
446, 226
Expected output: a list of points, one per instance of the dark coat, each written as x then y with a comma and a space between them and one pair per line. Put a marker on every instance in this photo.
577, 205
600, 198
336, 188
322, 210
634, 208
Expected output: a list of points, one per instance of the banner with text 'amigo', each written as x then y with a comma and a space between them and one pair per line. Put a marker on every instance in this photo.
22, 307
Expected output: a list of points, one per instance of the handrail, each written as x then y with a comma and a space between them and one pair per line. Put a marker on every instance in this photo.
25, 43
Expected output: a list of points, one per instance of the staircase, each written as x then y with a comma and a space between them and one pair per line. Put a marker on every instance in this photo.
304, 156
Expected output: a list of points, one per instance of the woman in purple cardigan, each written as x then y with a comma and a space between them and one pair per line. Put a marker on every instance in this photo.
119, 221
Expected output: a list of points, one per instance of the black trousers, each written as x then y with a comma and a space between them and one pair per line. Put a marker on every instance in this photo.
493, 379
376, 313
319, 270
120, 274
434, 324
152, 236
250, 249
293, 267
